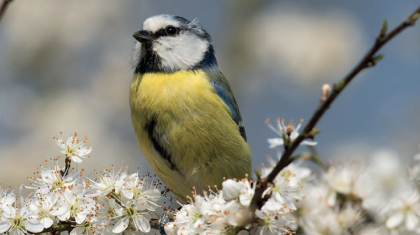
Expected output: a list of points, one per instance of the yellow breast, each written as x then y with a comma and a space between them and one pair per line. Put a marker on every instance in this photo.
195, 126
168, 91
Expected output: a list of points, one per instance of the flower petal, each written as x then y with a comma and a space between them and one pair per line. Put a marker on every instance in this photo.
411, 221
76, 159
294, 134
330, 198
395, 220
8, 200
127, 193
65, 216
259, 214
84, 151
275, 142
170, 228
4, 226
121, 225
47, 222
9, 212
243, 232
76, 231
80, 217
231, 189
143, 223
33, 226
309, 143
58, 211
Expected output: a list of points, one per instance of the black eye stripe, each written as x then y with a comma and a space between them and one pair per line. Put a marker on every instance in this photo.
160, 32
163, 32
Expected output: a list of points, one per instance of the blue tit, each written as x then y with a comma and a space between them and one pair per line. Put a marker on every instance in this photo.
184, 114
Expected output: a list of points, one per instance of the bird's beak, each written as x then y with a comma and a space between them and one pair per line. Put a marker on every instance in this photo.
143, 36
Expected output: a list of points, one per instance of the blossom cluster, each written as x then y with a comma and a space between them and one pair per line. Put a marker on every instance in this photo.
117, 202
63, 199
227, 211
372, 197
375, 197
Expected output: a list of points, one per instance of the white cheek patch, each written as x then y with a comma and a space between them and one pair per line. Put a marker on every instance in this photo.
155, 23
180, 52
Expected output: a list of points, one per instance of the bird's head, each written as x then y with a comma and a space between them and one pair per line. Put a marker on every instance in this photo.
171, 43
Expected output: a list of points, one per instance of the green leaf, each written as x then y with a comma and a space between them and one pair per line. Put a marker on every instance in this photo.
415, 16
384, 28
378, 58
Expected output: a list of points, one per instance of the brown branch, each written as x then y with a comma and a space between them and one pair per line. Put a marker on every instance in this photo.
60, 227
3, 7
69, 226
369, 60
67, 167
154, 224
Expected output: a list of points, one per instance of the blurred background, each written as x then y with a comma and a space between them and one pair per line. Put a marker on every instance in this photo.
66, 66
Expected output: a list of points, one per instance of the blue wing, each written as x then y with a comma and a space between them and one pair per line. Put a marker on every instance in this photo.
222, 94
222, 88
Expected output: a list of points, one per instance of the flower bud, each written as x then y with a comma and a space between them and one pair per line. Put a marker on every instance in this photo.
325, 90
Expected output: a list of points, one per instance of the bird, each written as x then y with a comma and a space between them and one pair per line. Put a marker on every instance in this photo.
185, 116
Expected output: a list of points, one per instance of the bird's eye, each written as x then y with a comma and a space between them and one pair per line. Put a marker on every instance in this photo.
170, 30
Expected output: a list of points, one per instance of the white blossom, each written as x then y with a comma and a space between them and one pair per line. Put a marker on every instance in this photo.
86, 228
349, 216
189, 220
109, 210
225, 211
290, 132
77, 204
109, 180
139, 198
73, 148
233, 189
45, 207
52, 179
342, 178
287, 184
321, 222
18, 219
405, 209
247, 192
272, 223
6, 199
141, 190
285, 191
134, 217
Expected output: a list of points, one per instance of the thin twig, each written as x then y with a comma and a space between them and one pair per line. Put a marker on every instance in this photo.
3, 7
66, 170
369, 60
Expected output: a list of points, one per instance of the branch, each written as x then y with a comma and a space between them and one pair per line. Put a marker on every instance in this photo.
154, 224
369, 60
67, 167
60, 227
3, 7
68, 226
